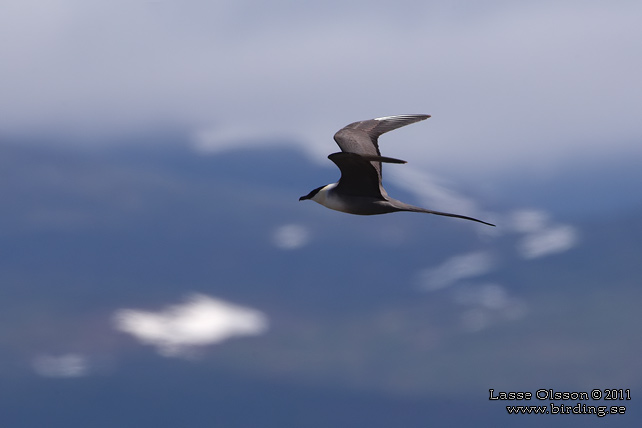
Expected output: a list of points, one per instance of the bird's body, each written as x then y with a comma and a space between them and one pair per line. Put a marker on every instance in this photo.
361, 205
359, 190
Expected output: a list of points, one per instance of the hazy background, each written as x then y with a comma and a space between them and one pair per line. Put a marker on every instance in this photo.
157, 269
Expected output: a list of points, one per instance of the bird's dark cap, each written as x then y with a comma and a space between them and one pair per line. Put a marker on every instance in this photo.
311, 194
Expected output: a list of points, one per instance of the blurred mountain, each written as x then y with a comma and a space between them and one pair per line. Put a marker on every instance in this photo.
369, 308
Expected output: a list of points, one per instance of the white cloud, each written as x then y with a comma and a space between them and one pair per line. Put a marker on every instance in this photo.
66, 365
487, 304
551, 240
540, 236
456, 268
490, 296
291, 236
525, 221
201, 321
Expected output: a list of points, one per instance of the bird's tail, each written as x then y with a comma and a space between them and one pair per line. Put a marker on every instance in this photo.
402, 206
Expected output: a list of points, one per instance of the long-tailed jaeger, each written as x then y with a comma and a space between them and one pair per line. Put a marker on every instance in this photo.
359, 190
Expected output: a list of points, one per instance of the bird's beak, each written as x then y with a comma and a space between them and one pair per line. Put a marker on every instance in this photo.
302, 198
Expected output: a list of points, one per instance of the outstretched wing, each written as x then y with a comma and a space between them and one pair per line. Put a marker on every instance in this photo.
362, 137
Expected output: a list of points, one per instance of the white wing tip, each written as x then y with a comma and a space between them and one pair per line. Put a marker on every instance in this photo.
403, 116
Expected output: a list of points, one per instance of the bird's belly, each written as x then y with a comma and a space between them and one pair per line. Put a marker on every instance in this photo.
336, 203
357, 205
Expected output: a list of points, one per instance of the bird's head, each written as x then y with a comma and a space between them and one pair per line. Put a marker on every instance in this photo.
312, 194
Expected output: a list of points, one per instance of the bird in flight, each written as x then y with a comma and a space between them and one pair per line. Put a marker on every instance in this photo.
359, 190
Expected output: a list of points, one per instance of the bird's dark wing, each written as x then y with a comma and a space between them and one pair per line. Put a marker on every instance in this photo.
362, 137
358, 176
